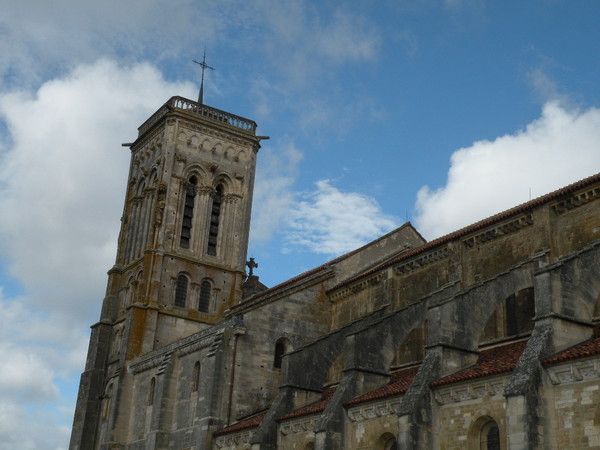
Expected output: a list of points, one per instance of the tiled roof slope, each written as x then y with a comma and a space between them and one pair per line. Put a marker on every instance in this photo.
591, 347
399, 383
519, 209
491, 361
313, 408
251, 422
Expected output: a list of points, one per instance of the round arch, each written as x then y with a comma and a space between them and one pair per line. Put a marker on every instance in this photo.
387, 441
485, 434
198, 171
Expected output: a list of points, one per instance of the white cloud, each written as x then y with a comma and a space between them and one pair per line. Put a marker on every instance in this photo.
329, 221
62, 181
560, 147
37, 36
19, 431
273, 195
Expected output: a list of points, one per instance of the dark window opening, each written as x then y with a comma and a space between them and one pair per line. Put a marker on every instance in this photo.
151, 391
493, 438
196, 377
181, 291
279, 351
514, 317
213, 230
205, 291
188, 213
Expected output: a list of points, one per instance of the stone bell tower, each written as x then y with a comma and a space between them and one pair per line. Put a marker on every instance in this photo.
184, 235
183, 242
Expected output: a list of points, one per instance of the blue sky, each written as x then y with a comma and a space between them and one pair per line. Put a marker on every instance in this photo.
438, 112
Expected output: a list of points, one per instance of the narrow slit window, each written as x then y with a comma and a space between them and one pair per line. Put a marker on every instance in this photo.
188, 213
151, 389
181, 291
280, 349
205, 292
196, 377
215, 216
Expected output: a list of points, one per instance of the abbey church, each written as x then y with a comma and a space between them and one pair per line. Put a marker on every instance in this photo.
486, 338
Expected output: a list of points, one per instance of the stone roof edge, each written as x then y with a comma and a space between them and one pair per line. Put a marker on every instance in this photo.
272, 294
209, 335
460, 233
328, 265
245, 424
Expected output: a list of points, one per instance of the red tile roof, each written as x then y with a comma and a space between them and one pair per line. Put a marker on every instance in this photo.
399, 383
313, 408
519, 209
591, 347
251, 422
491, 361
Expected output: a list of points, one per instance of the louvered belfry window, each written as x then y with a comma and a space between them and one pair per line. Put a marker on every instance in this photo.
215, 216
188, 213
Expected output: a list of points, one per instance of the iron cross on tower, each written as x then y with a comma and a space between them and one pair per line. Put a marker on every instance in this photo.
204, 67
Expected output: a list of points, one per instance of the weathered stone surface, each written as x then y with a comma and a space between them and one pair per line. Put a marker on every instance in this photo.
253, 368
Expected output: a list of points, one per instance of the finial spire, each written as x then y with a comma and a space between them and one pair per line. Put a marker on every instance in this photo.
204, 66
251, 264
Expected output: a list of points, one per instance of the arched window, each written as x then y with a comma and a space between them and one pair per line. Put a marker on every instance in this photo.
151, 391
388, 441
215, 216
196, 377
181, 291
188, 213
412, 347
513, 317
484, 434
490, 436
391, 444
281, 347
205, 293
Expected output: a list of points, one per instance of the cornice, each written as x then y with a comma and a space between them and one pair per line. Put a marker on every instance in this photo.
490, 234
372, 410
422, 261
575, 200
457, 393
574, 371
234, 439
301, 425
359, 286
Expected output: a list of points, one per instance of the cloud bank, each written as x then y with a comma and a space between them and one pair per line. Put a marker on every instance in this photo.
331, 222
560, 147
62, 184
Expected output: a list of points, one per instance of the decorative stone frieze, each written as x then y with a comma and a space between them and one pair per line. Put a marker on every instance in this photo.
422, 261
301, 425
574, 371
372, 410
234, 439
161, 360
471, 391
501, 230
358, 287
576, 200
